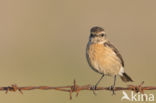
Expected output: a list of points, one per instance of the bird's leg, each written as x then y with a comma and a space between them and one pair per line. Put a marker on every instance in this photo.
95, 86
113, 86
99, 81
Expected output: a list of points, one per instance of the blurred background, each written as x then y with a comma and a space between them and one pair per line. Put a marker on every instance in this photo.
43, 42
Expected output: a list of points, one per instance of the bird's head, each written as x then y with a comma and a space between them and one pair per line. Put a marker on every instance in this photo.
97, 35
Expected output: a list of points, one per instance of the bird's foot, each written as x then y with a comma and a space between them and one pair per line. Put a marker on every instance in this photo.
94, 87
113, 89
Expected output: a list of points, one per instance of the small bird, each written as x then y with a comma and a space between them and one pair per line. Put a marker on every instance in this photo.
104, 58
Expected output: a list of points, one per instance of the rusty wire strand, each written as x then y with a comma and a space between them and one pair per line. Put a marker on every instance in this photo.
76, 88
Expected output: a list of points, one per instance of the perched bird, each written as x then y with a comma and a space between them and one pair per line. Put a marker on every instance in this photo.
104, 58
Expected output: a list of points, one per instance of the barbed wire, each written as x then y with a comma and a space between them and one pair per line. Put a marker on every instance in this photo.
76, 88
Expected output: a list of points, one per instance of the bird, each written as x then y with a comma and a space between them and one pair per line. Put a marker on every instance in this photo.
104, 58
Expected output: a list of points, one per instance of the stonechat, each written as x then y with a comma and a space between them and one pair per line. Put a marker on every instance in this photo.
104, 58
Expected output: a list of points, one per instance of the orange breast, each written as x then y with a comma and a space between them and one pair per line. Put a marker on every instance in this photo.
102, 59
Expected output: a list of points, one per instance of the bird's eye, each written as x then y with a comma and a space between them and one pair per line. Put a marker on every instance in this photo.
102, 35
91, 35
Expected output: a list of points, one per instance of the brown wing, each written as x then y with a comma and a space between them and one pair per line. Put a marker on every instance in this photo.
115, 50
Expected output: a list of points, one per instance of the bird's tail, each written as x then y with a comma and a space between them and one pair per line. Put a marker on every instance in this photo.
126, 78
